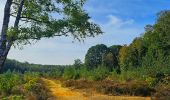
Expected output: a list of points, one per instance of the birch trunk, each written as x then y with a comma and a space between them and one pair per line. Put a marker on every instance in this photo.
5, 45
3, 37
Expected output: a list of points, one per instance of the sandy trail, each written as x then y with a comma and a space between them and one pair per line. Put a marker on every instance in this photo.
62, 93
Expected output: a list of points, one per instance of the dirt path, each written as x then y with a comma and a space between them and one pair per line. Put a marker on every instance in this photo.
62, 93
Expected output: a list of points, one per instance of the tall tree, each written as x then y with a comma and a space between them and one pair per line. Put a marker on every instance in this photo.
95, 55
36, 19
115, 51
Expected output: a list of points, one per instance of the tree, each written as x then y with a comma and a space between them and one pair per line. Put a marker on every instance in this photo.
150, 51
108, 61
123, 57
137, 52
95, 54
78, 63
157, 43
35, 19
115, 51
131, 56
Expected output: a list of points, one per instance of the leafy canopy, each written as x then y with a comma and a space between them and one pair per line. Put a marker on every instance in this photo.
49, 18
95, 55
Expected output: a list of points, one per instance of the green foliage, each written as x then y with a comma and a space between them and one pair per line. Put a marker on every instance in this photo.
77, 63
12, 33
15, 97
150, 51
96, 74
102, 55
146, 60
31, 84
8, 81
114, 49
131, 56
43, 70
17, 86
38, 22
123, 57
95, 55
151, 81
99, 73
70, 73
108, 60
157, 43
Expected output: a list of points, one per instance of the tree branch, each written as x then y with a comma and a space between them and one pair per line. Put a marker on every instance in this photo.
15, 3
34, 19
23, 18
35, 38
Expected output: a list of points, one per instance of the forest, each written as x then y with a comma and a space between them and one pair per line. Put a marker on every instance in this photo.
138, 69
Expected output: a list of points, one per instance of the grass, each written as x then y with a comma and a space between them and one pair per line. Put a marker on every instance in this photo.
81, 91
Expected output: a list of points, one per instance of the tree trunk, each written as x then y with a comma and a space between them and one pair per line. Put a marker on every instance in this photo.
3, 39
8, 44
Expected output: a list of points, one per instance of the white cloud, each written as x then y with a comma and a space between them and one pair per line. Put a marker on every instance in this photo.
118, 22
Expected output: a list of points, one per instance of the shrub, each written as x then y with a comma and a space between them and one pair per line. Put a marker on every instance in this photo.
31, 85
17, 86
151, 81
99, 73
71, 73
8, 81
37, 90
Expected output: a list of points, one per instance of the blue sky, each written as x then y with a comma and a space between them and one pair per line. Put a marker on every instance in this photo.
121, 20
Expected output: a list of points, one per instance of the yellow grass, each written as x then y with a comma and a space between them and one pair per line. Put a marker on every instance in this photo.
62, 93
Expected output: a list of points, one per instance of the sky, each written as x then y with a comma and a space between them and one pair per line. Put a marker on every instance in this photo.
120, 20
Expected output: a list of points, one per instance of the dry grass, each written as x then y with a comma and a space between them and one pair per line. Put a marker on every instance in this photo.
163, 93
108, 87
65, 93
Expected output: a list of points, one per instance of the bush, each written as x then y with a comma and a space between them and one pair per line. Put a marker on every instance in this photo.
98, 74
71, 73
21, 86
151, 81
8, 81
31, 85
37, 90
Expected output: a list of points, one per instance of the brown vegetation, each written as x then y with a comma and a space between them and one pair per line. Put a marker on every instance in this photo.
111, 88
81, 90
